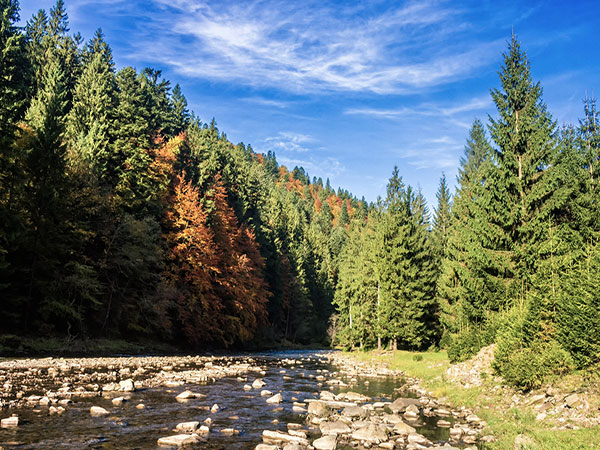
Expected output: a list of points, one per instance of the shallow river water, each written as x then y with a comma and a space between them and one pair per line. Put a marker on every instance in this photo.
293, 374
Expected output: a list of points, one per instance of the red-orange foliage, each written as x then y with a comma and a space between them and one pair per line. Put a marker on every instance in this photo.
193, 265
240, 283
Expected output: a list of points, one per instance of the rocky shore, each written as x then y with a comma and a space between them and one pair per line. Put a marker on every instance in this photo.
332, 413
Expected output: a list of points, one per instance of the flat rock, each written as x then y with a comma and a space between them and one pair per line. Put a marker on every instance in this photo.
337, 427
355, 411
9, 422
276, 436
325, 443
403, 429
98, 411
265, 393
179, 440
187, 427
266, 447
371, 433
573, 400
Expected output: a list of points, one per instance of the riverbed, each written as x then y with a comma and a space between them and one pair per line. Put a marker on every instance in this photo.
231, 399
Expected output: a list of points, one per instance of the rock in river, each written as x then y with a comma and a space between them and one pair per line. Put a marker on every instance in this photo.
9, 422
179, 440
325, 443
277, 398
98, 411
187, 427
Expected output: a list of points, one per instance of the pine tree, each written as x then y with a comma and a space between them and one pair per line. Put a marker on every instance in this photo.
91, 118
441, 219
180, 110
407, 269
524, 136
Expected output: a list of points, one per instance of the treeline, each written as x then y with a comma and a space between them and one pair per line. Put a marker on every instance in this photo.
513, 257
123, 216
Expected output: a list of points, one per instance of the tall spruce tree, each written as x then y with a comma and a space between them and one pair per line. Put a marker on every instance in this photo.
441, 219
407, 269
524, 134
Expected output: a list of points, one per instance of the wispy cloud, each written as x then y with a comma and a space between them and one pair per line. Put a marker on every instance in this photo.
312, 46
474, 104
289, 142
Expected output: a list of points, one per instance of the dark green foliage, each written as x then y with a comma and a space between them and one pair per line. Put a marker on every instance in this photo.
578, 311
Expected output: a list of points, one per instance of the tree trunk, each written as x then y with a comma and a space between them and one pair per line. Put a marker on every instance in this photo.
379, 343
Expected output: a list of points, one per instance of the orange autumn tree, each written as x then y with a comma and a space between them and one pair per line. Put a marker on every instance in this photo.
193, 265
240, 282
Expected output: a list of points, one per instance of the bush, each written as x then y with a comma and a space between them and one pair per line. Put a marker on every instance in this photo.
418, 357
529, 367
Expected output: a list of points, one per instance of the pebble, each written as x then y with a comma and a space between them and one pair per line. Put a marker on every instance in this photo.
98, 411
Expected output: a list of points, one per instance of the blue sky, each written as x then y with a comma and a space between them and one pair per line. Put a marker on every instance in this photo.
350, 89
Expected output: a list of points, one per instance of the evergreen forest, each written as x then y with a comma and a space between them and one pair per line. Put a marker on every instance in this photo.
124, 216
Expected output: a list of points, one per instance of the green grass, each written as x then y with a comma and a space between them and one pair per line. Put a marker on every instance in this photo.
502, 422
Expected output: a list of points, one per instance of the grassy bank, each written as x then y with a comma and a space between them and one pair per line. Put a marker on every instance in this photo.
504, 423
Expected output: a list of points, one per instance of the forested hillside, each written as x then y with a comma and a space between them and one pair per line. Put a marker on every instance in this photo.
123, 215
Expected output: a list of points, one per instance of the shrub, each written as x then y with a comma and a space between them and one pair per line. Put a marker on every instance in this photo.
529, 367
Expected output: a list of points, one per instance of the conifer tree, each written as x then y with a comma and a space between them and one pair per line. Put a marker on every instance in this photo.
524, 136
406, 268
441, 219
92, 115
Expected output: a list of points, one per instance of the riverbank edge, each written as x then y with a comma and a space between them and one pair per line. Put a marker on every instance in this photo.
491, 401
40, 347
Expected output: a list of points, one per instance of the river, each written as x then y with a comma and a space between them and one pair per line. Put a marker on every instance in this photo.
31, 389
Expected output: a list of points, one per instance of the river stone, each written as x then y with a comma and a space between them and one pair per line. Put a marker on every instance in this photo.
9, 422
371, 433
442, 412
277, 398
276, 436
355, 411
326, 395
416, 438
523, 442
400, 404
293, 446
318, 408
392, 418
247, 387
266, 447
403, 428
353, 397
214, 408
573, 400
443, 424
98, 411
325, 443
337, 427
127, 385
258, 383
179, 440
265, 393
187, 427
118, 401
